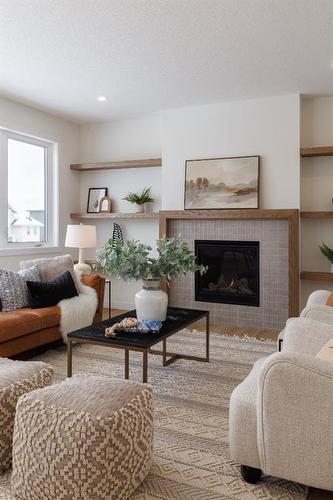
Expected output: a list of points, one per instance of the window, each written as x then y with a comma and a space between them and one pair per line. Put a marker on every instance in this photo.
28, 192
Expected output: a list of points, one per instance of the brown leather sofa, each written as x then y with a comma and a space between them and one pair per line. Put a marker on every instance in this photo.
26, 328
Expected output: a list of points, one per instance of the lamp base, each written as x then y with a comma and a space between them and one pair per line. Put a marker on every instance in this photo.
82, 267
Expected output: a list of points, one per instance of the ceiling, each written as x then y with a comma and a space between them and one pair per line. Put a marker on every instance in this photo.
149, 55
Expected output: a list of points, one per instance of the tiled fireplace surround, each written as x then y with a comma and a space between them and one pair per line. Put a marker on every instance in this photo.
274, 270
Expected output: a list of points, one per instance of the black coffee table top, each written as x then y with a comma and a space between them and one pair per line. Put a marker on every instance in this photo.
177, 319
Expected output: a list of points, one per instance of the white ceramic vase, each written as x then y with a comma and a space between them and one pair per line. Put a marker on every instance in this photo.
139, 209
151, 302
331, 268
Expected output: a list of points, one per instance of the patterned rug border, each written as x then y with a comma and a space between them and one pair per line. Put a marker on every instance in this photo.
227, 336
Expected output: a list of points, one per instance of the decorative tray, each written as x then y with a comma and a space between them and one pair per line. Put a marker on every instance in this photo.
142, 327
133, 326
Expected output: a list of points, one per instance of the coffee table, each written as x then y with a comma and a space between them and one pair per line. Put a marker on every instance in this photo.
177, 319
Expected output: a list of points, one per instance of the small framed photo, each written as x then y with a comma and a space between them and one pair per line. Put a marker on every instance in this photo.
94, 197
218, 183
105, 205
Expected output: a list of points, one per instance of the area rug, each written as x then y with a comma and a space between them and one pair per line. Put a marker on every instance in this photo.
191, 456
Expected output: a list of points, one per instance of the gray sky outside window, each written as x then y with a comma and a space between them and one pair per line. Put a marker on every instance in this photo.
26, 176
26, 192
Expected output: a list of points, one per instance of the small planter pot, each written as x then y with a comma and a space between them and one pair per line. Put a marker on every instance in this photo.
151, 302
139, 209
148, 208
331, 268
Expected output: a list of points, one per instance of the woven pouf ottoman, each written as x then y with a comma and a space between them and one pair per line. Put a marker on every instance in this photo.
16, 378
87, 438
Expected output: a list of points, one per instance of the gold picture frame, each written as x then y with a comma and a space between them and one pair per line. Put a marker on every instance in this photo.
105, 205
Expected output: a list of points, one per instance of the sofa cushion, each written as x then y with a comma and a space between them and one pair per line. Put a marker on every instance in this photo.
49, 316
17, 323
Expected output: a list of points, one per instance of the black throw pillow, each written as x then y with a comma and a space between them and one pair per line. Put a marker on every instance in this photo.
49, 293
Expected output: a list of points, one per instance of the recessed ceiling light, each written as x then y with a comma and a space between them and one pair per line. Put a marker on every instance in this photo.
101, 98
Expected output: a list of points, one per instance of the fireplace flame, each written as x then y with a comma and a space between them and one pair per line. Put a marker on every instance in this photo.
233, 283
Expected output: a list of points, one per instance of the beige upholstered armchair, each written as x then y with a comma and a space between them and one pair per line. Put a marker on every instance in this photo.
281, 415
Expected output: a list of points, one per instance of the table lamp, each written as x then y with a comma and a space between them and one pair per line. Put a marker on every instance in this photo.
81, 236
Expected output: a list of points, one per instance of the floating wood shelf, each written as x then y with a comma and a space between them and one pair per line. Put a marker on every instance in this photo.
113, 165
315, 214
315, 276
132, 215
320, 151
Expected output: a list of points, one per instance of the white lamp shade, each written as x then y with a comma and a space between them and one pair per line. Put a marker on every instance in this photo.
80, 236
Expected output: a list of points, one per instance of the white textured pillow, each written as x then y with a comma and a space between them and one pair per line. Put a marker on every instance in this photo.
326, 352
51, 268
13, 287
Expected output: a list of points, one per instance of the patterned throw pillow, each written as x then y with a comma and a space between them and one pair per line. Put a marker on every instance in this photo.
13, 287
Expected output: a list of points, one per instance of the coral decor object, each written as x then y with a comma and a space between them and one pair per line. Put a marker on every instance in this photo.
125, 323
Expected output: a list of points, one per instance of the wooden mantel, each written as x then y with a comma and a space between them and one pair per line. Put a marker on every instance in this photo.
291, 215
231, 214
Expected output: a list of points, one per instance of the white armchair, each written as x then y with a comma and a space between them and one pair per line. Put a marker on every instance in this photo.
315, 309
281, 416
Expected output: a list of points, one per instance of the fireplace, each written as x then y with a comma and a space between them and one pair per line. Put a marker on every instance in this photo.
233, 272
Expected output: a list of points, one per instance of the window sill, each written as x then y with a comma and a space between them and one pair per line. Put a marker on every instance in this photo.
8, 252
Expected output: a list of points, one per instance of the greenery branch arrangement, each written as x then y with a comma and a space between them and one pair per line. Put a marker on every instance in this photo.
327, 252
140, 198
135, 260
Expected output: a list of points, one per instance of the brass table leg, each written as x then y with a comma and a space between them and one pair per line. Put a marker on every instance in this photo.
171, 357
145, 366
126, 364
207, 338
164, 353
69, 358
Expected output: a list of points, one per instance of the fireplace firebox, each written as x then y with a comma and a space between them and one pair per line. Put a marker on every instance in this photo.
233, 272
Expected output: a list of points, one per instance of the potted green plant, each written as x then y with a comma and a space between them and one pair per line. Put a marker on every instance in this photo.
141, 199
328, 253
135, 261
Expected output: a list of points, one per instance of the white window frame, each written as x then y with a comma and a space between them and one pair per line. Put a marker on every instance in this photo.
51, 196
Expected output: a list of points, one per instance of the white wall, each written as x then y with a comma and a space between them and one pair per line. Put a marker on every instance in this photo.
122, 140
267, 127
28, 120
316, 188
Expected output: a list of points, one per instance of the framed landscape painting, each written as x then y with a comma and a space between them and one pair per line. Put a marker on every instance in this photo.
222, 183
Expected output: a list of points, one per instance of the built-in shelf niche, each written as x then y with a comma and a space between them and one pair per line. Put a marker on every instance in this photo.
314, 152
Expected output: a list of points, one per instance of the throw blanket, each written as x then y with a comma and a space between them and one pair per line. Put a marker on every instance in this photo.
79, 311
